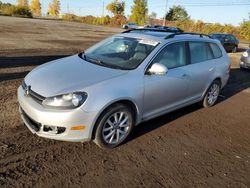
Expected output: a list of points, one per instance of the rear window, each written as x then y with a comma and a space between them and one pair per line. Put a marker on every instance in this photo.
199, 52
216, 50
218, 36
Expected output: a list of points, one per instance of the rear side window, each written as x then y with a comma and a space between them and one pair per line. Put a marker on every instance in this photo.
232, 37
216, 50
199, 52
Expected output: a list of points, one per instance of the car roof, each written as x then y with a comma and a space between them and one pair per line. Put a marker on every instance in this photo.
163, 36
155, 36
220, 34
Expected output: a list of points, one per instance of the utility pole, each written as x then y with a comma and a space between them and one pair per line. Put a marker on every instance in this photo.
103, 6
80, 11
166, 10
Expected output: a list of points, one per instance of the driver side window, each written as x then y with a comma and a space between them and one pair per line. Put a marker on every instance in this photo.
172, 56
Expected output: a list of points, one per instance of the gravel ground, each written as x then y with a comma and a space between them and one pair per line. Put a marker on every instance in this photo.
191, 147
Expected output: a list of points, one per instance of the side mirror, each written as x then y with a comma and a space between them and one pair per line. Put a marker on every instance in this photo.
158, 69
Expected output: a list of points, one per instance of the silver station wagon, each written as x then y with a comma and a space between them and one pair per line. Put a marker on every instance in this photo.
131, 77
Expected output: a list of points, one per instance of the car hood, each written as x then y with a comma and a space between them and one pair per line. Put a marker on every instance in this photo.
67, 75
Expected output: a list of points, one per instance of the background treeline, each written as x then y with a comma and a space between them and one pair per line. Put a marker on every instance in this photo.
242, 32
8, 9
25, 9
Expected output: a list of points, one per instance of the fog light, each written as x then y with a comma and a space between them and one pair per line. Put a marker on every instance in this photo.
78, 128
53, 129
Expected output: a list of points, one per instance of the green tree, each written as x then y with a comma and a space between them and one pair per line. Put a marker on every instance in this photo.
35, 7
153, 15
245, 29
116, 7
139, 12
22, 3
177, 13
151, 18
54, 8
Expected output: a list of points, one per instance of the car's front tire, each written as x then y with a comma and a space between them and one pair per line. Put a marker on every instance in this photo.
114, 126
212, 94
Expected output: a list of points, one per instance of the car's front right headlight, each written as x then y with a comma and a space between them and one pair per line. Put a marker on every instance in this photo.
66, 101
245, 54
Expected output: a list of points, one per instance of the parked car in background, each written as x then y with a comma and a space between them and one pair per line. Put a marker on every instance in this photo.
229, 41
245, 60
130, 25
126, 79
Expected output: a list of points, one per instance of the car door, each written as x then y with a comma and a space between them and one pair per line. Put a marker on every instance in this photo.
228, 43
200, 69
164, 92
234, 41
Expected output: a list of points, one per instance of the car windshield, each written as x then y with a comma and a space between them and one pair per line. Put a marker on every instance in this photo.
120, 52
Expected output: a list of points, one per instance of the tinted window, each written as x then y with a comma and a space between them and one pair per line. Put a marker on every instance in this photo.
174, 55
199, 52
228, 37
218, 36
232, 37
216, 50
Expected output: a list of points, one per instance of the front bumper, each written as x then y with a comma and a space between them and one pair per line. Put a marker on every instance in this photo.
37, 118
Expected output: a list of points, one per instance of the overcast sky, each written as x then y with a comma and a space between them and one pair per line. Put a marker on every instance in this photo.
207, 10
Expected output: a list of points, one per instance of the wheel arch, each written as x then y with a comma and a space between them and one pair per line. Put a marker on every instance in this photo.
128, 102
217, 78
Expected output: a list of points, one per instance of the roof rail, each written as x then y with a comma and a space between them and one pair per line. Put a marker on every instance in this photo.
187, 33
151, 29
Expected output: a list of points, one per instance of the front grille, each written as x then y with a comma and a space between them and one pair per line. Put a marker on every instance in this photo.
31, 123
38, 98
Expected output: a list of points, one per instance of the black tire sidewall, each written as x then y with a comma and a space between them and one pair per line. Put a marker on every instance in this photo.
234, 50
103, 118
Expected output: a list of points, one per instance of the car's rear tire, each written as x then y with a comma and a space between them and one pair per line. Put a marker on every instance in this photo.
212, 94
113, 126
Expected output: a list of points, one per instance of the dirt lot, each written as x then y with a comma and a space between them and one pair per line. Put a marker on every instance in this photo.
192, 147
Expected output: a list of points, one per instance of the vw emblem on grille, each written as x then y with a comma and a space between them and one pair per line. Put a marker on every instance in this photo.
27, 90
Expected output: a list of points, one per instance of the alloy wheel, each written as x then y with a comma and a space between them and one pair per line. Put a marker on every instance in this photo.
213, 94
116, 128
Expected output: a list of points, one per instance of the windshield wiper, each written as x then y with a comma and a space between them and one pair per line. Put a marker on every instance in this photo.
82, 55
96, 61
99, 62
92, 60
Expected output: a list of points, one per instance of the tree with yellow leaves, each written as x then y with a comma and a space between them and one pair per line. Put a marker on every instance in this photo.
35, 7
116, 7
22, 3
54, 8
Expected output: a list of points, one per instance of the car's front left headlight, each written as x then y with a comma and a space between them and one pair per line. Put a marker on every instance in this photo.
67, 101
245, 54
